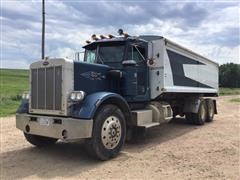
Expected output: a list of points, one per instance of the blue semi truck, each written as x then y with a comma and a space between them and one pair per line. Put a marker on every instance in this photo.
124, 83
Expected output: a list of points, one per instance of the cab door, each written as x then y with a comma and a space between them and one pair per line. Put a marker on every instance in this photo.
136, 74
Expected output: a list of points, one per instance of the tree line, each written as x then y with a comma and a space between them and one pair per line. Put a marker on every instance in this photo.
229, 75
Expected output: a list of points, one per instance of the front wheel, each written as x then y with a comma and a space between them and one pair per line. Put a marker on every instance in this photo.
39, 141
109, 132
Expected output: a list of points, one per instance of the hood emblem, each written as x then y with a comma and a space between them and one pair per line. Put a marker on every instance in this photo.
45, 63
92, 75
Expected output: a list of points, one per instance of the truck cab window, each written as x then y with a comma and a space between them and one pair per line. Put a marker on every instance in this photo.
90, 56
136, 53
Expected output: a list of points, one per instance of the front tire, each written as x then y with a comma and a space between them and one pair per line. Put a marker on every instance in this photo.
39, 141
109, 132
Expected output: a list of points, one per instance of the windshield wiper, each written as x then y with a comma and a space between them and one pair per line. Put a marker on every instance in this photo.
139, 52
98, 56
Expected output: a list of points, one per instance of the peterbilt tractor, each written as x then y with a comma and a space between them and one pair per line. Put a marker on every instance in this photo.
124, 83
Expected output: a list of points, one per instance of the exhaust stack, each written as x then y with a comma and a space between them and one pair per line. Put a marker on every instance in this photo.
43, 29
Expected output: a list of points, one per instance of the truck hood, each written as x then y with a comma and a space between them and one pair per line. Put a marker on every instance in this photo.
92, 78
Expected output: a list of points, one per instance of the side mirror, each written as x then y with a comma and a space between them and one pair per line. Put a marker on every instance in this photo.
129, 63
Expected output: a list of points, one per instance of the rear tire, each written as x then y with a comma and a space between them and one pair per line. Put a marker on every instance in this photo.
210, 110
109, 132
39, 141
200, 117
189, 118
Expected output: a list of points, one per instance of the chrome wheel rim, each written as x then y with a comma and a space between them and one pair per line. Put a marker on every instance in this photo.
203, 113
211, 111
111, 132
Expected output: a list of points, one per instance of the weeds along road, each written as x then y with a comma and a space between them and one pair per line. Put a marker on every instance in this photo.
173, 151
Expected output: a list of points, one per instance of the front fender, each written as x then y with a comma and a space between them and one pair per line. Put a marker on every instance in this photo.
87, 108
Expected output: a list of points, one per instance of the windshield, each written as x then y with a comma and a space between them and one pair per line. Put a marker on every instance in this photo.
111, 53
105, 53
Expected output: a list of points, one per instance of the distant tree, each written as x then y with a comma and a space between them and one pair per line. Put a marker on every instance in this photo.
229, 75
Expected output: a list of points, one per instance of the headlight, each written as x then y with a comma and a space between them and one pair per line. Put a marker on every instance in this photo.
25, 96
77, 95
73, 96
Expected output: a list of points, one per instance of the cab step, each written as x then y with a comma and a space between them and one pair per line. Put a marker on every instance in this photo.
149, 125
143, 118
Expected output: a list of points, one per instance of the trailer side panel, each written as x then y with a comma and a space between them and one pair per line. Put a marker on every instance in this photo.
182, 71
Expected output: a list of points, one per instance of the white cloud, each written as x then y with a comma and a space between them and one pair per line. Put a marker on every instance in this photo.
214, 32
63, 52
222, 18
217, 53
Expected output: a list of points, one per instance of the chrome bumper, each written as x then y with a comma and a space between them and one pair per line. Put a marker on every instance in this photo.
55, 127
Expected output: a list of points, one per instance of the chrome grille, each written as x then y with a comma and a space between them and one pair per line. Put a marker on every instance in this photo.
46, 88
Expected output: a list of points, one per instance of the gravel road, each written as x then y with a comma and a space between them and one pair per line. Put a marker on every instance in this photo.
172, 151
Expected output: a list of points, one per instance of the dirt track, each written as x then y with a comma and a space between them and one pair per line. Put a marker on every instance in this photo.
172, 151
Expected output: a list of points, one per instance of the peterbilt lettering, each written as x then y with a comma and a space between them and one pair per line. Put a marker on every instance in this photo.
93, 75
124, 83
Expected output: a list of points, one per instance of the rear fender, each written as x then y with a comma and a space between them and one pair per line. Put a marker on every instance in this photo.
191, 105
214, 102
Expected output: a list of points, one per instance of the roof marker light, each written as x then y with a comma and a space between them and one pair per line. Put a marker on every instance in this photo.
111, 36
94, 37
102, 37
126, 35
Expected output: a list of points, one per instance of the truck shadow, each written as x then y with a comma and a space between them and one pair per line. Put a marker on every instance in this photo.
157, 135
68, 159
61, 160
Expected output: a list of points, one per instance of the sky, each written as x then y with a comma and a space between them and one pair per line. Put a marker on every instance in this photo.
210, 28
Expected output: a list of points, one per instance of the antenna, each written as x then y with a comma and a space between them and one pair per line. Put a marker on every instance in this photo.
43, 28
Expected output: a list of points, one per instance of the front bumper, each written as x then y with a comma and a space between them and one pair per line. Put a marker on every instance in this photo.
54, 127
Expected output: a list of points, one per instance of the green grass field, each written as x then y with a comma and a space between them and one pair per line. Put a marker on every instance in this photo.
229, 91
14, 82
235, 100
